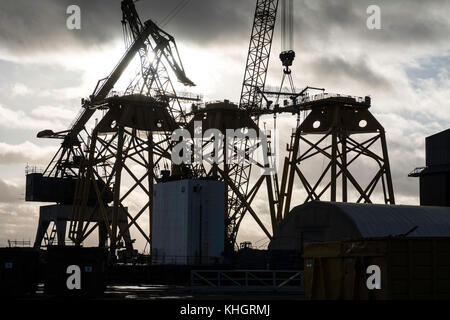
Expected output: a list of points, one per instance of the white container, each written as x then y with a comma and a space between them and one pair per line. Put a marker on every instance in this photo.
188, 222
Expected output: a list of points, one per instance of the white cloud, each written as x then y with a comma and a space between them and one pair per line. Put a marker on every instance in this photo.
19, 119
53, 112
19, 89
18, 221
10, 193
25, 152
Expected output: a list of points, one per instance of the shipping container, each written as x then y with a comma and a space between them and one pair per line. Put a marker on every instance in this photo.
61, 190
409, 268
19, 271
75, 271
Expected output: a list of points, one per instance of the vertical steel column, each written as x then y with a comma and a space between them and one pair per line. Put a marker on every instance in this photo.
344, 165
117, 182
151, 173
282, 190
387, 168
292, 164
333, 163
225, 206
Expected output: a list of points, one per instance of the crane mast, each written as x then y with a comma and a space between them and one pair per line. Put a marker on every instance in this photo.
250, 100
258, 54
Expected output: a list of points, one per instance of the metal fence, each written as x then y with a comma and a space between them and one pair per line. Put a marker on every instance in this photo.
19, 243
186, 260
248, 280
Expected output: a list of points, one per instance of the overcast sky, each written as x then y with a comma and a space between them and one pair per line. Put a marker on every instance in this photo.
45, 69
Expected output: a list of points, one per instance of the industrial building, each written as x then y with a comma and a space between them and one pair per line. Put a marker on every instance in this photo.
434, 177
322, 221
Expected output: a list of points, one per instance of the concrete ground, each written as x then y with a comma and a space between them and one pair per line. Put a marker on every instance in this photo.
165, 292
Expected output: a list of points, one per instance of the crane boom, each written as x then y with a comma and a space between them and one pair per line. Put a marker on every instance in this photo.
61, 165
258, 54
154, 79
163, 40
105, 85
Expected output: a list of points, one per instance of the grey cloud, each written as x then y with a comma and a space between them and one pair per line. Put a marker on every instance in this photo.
12, 158
18, 222
402, 165
404, 22
40, 24
38, 77
25, 153
341, 69
10, 193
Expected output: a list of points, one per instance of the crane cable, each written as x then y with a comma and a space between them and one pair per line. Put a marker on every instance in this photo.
287, 25
174, 12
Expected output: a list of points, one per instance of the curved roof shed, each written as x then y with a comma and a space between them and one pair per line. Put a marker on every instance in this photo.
319, 221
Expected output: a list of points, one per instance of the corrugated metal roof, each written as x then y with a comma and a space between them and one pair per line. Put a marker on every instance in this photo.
319, 221
375, 220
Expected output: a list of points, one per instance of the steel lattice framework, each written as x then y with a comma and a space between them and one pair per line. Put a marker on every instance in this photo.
153, 79
225, 116
258, 54
346, 134
123, 155
239, 175
97, 160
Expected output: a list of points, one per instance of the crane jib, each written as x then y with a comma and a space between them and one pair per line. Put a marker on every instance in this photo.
110, 81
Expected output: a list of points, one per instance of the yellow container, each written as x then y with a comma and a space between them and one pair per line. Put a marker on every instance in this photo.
410, 268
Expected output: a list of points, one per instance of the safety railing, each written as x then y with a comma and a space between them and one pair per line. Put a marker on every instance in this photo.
247, 280
19, 243
325, 95
33, 169
416, 172
171, 259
